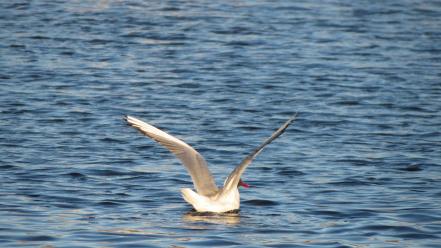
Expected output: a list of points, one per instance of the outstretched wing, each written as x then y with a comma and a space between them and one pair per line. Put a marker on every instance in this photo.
234, 177
196, 166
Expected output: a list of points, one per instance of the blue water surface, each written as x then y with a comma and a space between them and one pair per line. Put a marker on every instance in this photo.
360, 167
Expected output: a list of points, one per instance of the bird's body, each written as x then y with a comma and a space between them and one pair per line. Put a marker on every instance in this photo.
208, 198
218, 203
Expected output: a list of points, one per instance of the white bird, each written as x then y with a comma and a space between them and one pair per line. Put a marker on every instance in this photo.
209, 198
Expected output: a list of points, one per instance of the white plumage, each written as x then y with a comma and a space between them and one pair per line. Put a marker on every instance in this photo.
208, 198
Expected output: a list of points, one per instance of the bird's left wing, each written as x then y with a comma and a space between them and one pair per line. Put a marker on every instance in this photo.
190, 158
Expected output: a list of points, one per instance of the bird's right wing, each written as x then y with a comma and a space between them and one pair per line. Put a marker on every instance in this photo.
196, 166
234, 177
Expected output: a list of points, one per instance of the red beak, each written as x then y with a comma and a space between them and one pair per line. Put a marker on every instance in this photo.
243, 184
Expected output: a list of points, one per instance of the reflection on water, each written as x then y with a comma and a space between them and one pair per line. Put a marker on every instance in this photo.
229, 218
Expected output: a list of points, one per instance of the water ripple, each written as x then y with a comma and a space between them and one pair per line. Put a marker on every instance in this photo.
359, 168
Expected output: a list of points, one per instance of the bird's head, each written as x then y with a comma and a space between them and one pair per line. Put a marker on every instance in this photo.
243, 184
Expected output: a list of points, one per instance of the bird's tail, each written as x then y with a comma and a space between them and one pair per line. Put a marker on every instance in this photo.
190, 196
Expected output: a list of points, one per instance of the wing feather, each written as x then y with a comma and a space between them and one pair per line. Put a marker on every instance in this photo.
235, 175
193, 161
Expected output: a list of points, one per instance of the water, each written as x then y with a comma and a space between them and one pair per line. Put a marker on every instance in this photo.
359, 168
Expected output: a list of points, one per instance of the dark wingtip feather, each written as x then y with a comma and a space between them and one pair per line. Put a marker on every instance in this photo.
293, 117
126, 118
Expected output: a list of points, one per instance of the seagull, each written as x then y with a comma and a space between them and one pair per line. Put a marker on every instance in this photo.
208, 197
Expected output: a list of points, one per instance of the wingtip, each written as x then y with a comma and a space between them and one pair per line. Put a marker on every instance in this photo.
293, 117
126, 118
290, 120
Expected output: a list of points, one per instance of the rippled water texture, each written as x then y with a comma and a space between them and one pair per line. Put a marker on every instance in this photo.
359, 168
